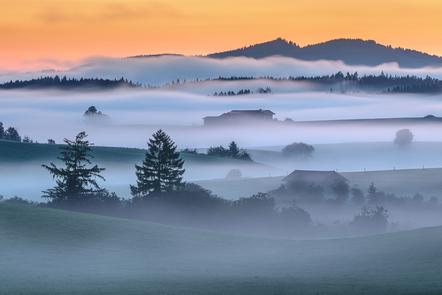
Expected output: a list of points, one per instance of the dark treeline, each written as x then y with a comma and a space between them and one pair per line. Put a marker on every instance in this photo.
233, 93
233, 151
266, 90
386, 83
68, 83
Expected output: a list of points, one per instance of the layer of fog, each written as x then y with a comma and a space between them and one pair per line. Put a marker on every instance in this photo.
164, 69
135, 115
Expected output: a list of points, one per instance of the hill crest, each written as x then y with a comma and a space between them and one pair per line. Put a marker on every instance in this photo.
349, 51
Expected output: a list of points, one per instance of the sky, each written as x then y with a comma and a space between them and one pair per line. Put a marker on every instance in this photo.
39, 34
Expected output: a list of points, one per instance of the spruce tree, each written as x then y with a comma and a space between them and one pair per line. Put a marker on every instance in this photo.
162, 168
2, 131
233, 149
77, 181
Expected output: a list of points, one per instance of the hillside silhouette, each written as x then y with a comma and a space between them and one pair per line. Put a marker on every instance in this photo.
349, 51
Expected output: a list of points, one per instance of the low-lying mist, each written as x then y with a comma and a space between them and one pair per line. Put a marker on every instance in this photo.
135, 114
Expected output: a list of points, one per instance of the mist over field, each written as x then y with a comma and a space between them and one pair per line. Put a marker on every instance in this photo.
329, 120
165, 147
134, 114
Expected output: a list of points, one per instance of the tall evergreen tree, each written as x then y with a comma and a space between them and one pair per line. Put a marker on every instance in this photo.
162, 168
234, 150
77, 181
2, 131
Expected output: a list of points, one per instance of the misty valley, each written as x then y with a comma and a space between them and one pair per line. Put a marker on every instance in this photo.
270, 169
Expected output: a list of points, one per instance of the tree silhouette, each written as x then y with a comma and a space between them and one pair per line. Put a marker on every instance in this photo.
162, 168
12, 134
77, 181
234, 150
404, 137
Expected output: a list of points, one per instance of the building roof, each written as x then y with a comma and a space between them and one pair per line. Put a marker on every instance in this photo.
316, 177
242, 112
260, 111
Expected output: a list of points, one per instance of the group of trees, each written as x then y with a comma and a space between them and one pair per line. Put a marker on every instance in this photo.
233, 93
371, 220
305, 192
298, 149
68, 83
233, 151
384, 82
404, 137
376, 197
93, 111
160, 193
161, 171
260, 90
9, 134
76, 182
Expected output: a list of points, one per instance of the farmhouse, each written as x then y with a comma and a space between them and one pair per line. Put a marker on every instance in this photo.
240, 117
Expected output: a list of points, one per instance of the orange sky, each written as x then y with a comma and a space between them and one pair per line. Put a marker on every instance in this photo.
38, 33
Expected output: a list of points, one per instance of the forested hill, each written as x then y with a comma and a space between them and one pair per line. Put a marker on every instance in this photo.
349, 51
65, 83
341, 82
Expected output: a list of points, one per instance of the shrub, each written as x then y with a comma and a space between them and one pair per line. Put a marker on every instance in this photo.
404, 137
299, 149
371, 220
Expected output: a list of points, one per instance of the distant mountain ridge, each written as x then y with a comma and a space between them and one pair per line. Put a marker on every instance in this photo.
349, 51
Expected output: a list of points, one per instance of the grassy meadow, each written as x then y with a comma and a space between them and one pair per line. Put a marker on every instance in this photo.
47, 251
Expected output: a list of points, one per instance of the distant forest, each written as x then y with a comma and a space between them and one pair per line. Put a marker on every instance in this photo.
345, 82
339, 82
65, 83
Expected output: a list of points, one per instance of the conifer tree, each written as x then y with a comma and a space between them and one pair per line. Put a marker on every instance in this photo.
162, 168
78, 179
234, 150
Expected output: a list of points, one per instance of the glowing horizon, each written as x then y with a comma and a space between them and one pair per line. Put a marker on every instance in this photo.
54, 34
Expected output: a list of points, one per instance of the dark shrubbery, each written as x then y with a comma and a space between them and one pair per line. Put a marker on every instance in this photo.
373, 220
9, 134
65, 83
298, 149
403, 138
232, 151
197, 207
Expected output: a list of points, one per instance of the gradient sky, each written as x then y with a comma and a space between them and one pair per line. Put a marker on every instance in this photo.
54, 33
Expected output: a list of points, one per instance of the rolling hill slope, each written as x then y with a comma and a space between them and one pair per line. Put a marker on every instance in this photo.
20, 163
47, 251
13, 152
403, 182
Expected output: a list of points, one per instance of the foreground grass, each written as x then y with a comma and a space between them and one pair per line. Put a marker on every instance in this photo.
46, 251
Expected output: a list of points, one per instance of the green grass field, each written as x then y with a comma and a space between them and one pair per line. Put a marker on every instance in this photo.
15, 152
46, 251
